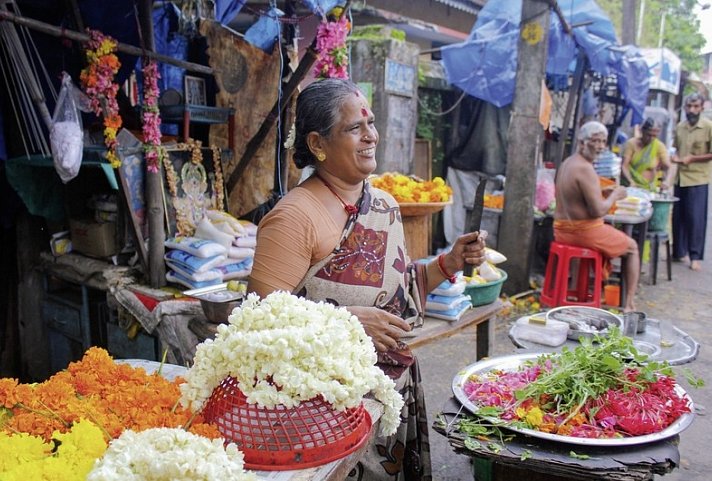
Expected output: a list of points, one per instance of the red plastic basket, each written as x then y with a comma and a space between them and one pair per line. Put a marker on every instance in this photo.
310, 434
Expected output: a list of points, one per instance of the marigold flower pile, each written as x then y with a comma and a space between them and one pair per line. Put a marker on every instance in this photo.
94, 395
98, 82
411, 189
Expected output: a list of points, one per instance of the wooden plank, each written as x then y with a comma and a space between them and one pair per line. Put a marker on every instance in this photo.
434, 329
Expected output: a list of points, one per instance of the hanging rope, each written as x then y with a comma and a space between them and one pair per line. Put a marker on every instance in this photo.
20, 70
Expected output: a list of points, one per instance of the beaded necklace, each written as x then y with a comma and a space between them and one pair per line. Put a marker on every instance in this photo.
350, 209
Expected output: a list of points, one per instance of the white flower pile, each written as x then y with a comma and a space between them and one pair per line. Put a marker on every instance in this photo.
169, 454
283, 350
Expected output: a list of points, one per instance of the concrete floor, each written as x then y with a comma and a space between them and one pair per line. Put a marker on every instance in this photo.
686, 300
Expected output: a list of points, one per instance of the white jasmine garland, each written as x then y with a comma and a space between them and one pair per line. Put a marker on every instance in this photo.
283, 350
291, 137
169, 454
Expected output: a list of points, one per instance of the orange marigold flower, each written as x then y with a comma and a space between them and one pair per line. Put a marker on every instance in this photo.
8, 395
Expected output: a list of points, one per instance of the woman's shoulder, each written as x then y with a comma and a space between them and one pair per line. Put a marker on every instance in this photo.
298, 202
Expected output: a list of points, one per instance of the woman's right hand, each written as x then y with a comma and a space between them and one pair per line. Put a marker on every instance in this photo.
384, 329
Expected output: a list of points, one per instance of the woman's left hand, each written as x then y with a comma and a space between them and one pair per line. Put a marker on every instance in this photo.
468, 249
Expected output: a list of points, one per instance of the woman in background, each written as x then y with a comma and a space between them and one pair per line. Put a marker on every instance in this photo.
646, 163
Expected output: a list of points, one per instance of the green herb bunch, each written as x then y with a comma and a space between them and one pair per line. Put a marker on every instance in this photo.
585, 373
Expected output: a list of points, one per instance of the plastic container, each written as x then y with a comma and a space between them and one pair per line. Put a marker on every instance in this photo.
487, 293
549, 332
612, 295
661, 213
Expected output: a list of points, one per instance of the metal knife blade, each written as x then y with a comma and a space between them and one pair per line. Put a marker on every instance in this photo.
474, 219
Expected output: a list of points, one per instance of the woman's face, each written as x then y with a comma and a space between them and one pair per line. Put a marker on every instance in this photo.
351, 146
649, 135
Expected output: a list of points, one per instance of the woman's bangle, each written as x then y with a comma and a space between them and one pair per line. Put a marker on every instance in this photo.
441, 266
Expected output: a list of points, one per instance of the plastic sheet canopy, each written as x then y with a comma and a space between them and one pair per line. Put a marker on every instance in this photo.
484, 65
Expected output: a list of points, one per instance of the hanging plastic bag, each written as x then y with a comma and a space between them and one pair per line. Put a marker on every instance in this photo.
66, 135
545, 197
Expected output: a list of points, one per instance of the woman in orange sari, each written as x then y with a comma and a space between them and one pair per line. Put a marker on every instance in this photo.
337, 239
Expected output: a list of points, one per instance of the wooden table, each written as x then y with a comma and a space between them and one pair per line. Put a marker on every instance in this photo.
432, 329
551, 461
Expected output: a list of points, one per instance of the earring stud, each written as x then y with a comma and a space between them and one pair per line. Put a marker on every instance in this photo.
321, 156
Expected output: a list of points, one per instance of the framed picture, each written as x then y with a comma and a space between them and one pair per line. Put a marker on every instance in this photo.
194, 90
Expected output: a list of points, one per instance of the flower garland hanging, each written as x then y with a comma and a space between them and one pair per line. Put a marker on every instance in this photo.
97, 80
331, 44
153, 150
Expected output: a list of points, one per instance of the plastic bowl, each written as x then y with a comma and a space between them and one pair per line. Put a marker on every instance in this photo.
481, 294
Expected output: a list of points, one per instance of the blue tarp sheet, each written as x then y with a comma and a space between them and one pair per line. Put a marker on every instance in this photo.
485, 64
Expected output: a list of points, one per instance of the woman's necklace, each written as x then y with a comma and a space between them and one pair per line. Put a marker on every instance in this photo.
350, 209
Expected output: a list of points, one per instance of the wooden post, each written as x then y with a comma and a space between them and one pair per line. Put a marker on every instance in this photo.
154, 180
581, 62
83, 37
628, 23
524, 137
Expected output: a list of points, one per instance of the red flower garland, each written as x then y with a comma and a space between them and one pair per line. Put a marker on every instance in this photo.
153, 151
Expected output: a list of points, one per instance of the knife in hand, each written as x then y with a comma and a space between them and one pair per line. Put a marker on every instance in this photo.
474, 219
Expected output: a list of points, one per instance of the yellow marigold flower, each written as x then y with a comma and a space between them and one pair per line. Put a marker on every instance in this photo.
533, 417
113, 159
21, 448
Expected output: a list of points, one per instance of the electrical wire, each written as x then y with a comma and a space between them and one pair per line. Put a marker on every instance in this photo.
445, 112
278, 159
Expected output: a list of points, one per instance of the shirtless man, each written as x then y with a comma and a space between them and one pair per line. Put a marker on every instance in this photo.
581, 205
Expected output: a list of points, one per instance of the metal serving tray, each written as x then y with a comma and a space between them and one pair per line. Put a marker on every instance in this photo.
514, 362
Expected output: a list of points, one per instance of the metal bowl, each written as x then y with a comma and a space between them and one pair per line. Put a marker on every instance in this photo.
218, 312
217, 301
585, 321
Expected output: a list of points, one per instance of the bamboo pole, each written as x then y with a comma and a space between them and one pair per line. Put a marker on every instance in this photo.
154, 180
82, 37
26, 72
307, 61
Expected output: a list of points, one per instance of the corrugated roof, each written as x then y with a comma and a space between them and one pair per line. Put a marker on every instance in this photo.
469, 6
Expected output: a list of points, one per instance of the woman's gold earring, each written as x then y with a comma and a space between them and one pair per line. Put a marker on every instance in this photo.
321, 156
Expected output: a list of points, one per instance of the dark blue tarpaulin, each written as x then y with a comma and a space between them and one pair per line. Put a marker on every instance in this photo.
485, 64
225, 10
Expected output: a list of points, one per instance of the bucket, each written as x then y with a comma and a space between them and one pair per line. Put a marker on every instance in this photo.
661, 214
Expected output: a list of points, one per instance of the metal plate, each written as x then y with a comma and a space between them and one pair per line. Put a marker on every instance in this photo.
513, 362
216, 293
681, 350
591, 316
168, 371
